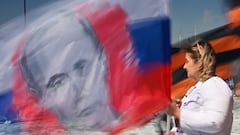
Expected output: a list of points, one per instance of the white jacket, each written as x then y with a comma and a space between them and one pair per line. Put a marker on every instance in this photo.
207, 109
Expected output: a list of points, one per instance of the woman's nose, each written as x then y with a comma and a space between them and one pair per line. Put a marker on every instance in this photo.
184, 66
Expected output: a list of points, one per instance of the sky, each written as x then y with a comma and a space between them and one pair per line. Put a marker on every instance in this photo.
188, 17
10, 9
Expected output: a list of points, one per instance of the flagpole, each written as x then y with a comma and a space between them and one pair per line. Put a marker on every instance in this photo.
25, 12
168, 125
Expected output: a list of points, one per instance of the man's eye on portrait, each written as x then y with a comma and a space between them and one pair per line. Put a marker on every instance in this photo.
57, 80
80, 66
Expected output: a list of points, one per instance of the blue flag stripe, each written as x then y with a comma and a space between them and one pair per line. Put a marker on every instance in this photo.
151, 39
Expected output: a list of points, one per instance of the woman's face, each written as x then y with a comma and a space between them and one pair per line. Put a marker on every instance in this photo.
192, 67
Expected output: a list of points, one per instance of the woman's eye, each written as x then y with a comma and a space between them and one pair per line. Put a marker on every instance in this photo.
56, 80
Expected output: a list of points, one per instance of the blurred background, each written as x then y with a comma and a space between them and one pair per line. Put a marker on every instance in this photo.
187, 17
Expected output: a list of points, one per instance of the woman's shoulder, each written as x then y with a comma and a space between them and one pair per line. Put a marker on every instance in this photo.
216, 82
215, 79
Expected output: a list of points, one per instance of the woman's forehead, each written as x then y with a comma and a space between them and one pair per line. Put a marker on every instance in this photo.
188, 55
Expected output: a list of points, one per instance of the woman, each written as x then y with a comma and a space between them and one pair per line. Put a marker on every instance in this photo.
206, 109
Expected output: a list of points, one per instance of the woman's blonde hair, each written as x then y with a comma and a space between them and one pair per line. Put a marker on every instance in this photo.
202, 52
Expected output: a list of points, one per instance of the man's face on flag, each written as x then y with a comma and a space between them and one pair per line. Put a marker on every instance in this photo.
63, 65
95, 71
